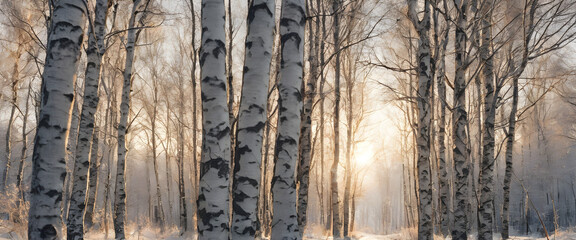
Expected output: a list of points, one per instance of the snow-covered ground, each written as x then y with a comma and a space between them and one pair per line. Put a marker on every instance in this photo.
11, 231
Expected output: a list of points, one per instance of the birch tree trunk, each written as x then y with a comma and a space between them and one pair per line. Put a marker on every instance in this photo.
120, 187
486, 207
444, 186
92, 181
425, 213
459, 121
213, 199
252, 119
71, 155
509, 157
335, 201
94, 52
14, 101
292, 23
305, 141
57, 94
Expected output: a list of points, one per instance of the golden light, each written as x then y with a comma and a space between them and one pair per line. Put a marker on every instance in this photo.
364, 155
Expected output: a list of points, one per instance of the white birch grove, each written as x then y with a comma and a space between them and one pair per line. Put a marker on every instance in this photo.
213, 198
94, 52
120, 184
252, 119
424, 70
49, 157
292, 24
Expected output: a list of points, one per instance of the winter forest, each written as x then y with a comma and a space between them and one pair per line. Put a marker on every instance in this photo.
288, 119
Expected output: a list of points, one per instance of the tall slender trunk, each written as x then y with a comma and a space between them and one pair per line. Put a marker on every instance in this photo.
92, 181
252, 119
193, 80
444, 186
509, 156
160, 214
57, 94
305, 141
459, 121
425, 213
213, 200
230, 76
322, 61
120, 184
71, 155
20, 187
94, 52
14, 102
292, 24
335, 201
182, 210
486, 204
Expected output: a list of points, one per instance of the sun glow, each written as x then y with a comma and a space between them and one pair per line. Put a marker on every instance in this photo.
364, 156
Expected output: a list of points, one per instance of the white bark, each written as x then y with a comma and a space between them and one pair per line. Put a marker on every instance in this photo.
213, 198
120, 194
292, 20
444, 188
94, 52
305, 141
334, 199
57, 96
486, 206
92, 181
425, 213
459, 121
252, 119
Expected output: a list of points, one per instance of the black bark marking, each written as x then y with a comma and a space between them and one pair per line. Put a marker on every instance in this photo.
289, 36
252, 11
52, 193
256, 128
48, 232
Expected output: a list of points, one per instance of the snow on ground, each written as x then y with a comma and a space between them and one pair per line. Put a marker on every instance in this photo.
9, 231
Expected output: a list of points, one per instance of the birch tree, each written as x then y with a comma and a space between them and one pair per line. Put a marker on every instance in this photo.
252, 118
49, 157
425, 214
213, 198
94, 52
459, 121
120, 184
292, 24
335, 202
440, 63
486, 181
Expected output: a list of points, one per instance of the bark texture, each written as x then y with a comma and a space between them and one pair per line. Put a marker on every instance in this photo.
459, 121
292, 23
120, 185
486, 204
57, 96
252, 119
213, 198
424, 69
94, 52
334, 199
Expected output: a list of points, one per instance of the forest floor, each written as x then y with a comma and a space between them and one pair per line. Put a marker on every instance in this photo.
9, 231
